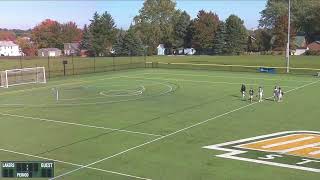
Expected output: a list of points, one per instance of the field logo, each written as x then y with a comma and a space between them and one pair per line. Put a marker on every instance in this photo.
290, 149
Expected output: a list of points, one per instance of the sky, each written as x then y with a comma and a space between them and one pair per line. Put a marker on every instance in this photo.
27, 14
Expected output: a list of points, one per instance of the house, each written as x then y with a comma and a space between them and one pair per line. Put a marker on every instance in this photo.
71, 49
8, 48
161, 50
49, 52
300, 44
315, 46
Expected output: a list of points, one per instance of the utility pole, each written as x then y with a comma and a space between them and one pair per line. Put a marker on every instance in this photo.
288, 43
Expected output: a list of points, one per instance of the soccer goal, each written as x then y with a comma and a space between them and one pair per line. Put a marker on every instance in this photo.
13, 77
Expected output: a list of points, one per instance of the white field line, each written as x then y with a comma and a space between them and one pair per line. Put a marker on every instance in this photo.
78, 124
232, 77
299, 148
63, 84
288, 142
174, 133
210, 82
73, 164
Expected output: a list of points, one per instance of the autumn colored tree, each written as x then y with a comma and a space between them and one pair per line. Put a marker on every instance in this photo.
27, 47
204, 27
7, 36
280, 33
50, 33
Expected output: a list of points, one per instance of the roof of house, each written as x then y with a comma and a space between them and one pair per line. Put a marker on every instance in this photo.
315, 46
49, 49
7, 43
161, 46
71, 45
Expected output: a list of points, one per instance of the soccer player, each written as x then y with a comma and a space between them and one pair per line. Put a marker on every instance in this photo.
275, 93
280, 94
243, 91
251, 92
260, 94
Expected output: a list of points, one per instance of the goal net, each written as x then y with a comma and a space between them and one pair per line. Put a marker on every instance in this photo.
14, 77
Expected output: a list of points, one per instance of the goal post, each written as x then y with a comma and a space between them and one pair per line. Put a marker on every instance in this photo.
13, 77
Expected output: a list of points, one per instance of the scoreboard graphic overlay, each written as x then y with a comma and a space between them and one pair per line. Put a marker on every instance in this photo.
27, 169
290, 149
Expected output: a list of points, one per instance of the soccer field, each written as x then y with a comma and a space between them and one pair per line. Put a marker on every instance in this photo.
156, 123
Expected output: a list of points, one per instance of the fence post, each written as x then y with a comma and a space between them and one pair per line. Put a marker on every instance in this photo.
94, 63
48, 67
113, 63
20, 62
72, 65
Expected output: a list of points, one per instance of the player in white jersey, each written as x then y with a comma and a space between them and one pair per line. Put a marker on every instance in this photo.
260, 94
275, 93
280, 94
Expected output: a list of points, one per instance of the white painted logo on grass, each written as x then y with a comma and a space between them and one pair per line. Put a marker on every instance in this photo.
290, 149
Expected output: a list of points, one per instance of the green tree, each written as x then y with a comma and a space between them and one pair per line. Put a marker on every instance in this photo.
70, 32
154, 24
219, 41
86, 41
204, 27
280, 33
236, 35
133, 44
181, 22
304, 15
103, 31
119, 45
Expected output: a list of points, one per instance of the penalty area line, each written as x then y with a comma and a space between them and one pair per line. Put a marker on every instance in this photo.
78, 124
175, 132
73, 164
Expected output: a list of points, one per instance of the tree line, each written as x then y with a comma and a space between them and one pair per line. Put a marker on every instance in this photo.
160, 22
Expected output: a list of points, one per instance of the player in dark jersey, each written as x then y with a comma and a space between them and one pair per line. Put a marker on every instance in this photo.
243, 91
251, 93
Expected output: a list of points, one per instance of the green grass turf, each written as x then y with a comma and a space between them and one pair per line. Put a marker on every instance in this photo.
142, 105
79, 65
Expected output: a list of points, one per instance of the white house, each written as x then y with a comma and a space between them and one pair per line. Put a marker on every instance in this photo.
8, 48
161, 49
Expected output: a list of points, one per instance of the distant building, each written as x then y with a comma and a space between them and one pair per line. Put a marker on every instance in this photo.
301, 45
161, 50
8, 48
51, 52
315, 46
71, 49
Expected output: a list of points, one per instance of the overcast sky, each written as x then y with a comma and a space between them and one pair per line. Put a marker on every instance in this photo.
27, 14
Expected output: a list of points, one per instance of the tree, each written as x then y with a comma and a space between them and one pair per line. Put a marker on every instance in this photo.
154, 24
236, 35
6, 35
133, 44
50, 33
181, 22
103, 31
119, 45
219, 41
70, 32
205, 27
128, 43
47, 34
304, 15
259, 40
280, 33
27, 47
